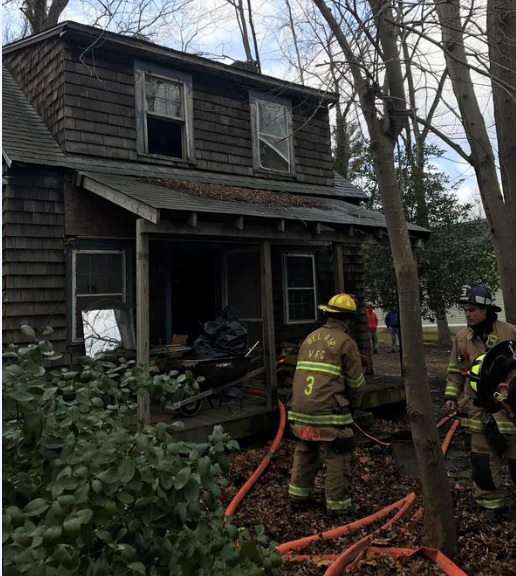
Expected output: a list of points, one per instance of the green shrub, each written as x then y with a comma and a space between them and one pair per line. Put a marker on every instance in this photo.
84, 496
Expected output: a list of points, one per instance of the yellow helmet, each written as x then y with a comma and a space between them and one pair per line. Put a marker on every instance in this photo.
474, 371
339, 304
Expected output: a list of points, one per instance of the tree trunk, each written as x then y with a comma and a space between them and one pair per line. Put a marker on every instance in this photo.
443, 332
39, 17
500, 218
438, 525
501, 35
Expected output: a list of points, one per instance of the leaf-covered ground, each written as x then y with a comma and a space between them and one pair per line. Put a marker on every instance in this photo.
485, 548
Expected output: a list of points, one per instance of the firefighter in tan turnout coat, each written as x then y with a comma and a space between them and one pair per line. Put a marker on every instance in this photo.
328, 383
483, 332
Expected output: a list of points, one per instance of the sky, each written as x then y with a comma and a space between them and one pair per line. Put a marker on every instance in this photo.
210, 30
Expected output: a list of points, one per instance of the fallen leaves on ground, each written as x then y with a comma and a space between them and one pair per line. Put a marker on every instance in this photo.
485, 548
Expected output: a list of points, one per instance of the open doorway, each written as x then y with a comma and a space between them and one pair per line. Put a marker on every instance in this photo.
184, 288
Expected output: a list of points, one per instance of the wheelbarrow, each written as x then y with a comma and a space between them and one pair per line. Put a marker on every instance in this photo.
219, 374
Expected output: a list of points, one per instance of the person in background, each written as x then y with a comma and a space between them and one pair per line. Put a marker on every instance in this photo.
372, 326
483, 332
393, 324
328, 383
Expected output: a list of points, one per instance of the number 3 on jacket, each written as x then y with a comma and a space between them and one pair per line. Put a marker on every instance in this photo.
310, 380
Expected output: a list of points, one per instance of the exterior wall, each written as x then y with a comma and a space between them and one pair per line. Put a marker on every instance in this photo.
33, 263
353, 281
222, 122
88, 103
105, 219
354, 284
99, 105
37, 69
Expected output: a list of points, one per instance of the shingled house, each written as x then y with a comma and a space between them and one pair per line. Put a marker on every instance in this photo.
174, 184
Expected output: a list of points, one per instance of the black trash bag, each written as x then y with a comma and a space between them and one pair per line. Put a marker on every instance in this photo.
225, 336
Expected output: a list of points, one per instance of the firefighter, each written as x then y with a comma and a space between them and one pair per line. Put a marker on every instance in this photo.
483, 332
493, 381
328, 384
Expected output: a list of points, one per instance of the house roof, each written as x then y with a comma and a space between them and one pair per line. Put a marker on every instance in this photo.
345, 189
25, 137
140, 47
145, 189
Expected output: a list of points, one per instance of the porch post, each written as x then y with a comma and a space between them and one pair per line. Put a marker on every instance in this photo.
142, 319
269, 345
142, 294
338, 268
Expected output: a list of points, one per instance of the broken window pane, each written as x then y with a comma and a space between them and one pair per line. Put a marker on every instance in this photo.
164, 98
274, 135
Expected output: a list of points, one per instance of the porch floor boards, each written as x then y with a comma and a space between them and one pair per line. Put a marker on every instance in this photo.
249, 416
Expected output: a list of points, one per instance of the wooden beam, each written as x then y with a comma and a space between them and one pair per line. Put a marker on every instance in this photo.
281, 225
192, 219
142, 294
338, 268
317, 228
252, 231
119, 198
269, 345
238, 223
142, 319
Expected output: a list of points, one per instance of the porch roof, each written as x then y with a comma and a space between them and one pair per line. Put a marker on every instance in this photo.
155, 200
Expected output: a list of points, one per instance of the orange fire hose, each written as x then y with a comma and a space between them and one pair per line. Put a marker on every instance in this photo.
405, 504
230, 510
359, 549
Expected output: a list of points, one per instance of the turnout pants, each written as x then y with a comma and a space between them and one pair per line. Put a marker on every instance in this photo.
486, 471
307, 460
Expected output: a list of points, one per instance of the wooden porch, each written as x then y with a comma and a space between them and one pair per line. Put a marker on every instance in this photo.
249, 416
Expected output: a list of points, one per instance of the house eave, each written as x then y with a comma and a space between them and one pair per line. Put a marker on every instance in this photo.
143, 48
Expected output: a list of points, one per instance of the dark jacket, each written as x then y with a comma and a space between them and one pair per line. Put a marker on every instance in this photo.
391, 319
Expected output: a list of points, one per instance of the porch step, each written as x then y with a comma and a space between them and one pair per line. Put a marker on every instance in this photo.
383, 390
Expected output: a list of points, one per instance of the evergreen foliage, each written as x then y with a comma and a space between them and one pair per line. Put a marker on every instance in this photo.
460, 249
82, 495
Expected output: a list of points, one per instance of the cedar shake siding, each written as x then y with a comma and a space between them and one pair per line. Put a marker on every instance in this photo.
33, 261
88, 103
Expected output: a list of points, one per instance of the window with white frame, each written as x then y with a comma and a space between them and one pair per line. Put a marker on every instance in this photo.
97, 274
271, 125
164, 112
299, 288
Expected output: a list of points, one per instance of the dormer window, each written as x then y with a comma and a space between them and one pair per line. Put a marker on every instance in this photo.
164, 112
271, 124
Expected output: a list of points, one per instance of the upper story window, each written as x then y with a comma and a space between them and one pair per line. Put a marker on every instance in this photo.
164, 112
299, 288
271, 124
